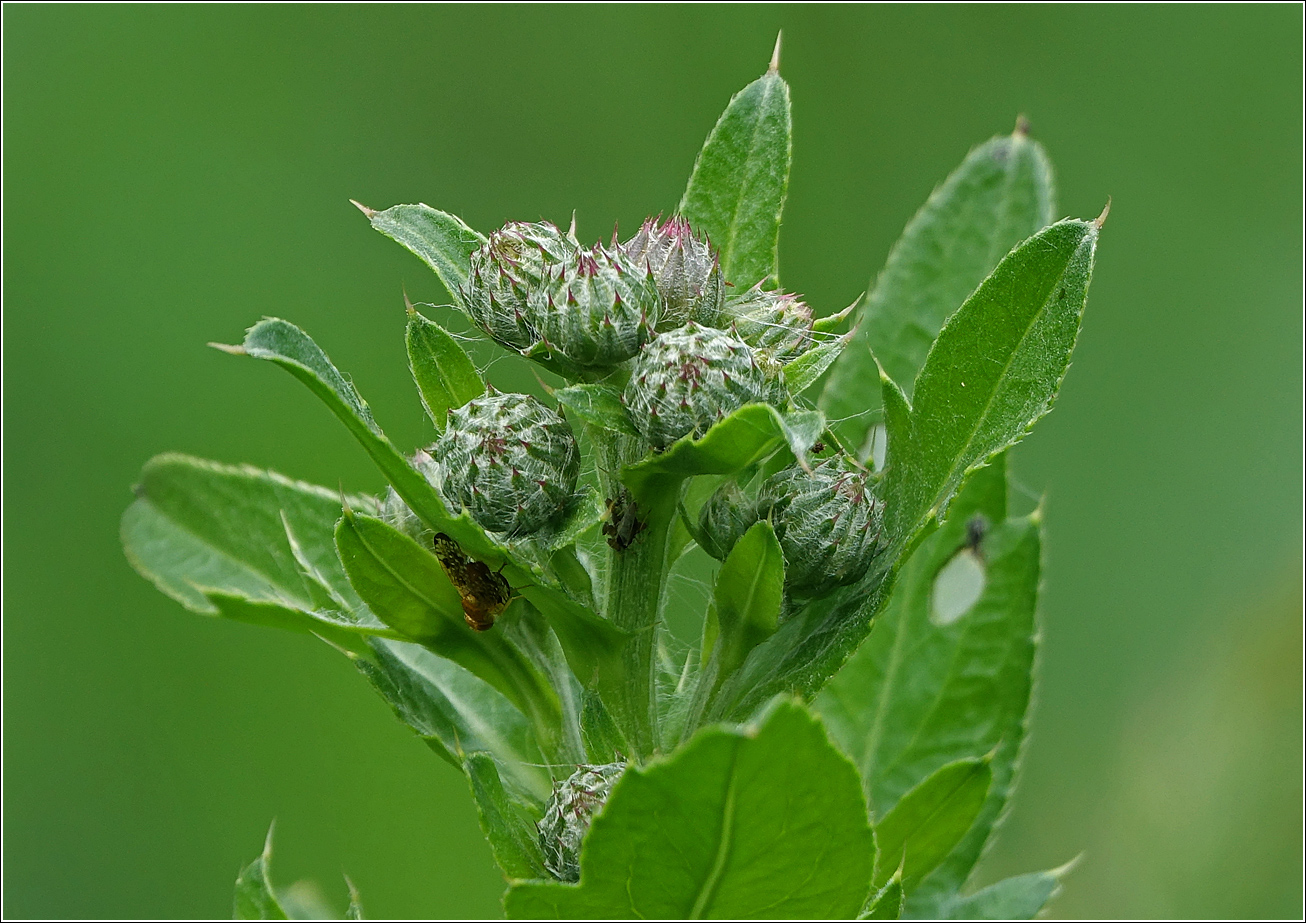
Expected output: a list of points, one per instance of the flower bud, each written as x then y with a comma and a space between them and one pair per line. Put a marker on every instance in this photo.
685, 267
724, 519
775, 321
509, 460
512, 264
828, 524
687, 379
596, 307
567, 816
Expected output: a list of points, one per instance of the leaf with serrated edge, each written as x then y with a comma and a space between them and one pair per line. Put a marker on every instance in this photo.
199, 529
928, 821
255, 899
442, 371
442, 241
741, 823
1000, 194
737, 190
994, 370
965, 687
455, 712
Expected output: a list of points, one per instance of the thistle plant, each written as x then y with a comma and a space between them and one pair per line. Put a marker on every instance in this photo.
842, 738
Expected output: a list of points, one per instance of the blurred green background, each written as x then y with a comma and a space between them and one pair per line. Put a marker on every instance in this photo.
173, 174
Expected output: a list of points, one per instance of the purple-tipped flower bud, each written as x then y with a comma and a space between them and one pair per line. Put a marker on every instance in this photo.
567, 817
687, 379
828, 524
512, 264
596, 307
509, 460
775, 321
686, 270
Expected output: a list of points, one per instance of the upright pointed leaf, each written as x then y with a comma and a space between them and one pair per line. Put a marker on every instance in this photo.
255, 899
741, 823
737, 190
442, 241
929, 821
888, 903
1001, 194
355, 909
994, 370
747, 596
442, 371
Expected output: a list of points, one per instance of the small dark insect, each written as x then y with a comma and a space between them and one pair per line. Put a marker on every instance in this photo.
818, 448
485, 593
976, 528
623, 525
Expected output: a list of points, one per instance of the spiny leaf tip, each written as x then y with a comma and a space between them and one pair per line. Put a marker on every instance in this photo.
370, 212
774, 66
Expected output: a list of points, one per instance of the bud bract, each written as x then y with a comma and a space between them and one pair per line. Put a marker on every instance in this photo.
509, 460
567, 816
687, 379
828, 524
685, 267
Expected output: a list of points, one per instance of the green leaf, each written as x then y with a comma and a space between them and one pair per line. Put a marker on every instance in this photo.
508, 821
286, 345
1001, 194
930, 820
743, 438
255, 899
455, 712
407, 588
747, 596
442, 241
887, 905
599, 405
444, 374
803, 371
994, 370
741, 823
920, 693
1018, 898
737, 190
212, 535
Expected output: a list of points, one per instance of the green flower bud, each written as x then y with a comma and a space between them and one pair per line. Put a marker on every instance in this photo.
828, 524
596, 307
508, 459
778, 322
687, 379
567, 816
724, 519
686, 268
512, 264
